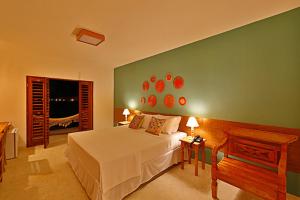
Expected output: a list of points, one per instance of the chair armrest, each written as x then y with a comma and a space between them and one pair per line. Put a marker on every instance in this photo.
214, 159
216, 149
219, 146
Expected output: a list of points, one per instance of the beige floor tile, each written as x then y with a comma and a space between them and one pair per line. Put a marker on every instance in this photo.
44, 174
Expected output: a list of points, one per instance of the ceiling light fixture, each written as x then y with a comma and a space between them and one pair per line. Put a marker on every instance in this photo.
89, 37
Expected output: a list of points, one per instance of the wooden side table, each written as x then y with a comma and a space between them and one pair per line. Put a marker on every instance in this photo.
186, 143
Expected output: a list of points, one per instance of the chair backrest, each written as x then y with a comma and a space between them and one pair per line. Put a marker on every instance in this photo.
258, 146
254, 150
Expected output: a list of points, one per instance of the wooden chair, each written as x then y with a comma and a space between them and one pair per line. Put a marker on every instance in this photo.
254, 161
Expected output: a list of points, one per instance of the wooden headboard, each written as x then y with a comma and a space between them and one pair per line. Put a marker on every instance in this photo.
213, 130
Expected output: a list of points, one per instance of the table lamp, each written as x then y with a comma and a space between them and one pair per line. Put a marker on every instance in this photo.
192, 122
126, 112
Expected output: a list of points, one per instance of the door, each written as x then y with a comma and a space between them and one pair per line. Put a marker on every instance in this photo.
37, 111
85, 105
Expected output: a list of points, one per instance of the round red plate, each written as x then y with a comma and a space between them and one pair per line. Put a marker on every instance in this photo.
168, 77
182, 101
178, 82
146, 86
153, 78
143, 100
160, 86
152, 100
169, 100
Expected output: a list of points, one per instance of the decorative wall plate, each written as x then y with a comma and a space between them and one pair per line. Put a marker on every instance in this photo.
168, 76
182, 101
153, 78
178, 82
146, 86
160, 86
152, 100
143, 100
169, 100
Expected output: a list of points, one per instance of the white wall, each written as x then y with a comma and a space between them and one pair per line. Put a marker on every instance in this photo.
16, 64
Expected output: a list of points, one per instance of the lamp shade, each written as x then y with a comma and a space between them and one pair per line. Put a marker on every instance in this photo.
192, 122
126, 112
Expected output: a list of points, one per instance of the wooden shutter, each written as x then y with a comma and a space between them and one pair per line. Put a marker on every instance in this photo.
47, 111
85, 105
37, 111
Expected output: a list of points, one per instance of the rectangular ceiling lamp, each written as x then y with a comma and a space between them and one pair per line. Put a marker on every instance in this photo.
90, 37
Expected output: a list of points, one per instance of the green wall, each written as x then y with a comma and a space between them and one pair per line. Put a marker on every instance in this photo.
249, 74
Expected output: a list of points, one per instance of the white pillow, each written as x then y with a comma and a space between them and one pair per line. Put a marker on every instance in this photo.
171, 125
147, 120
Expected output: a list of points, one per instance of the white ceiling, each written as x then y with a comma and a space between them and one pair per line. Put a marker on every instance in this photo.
134, 29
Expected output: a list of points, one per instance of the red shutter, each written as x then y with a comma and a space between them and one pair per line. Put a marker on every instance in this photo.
37, 111
86, 105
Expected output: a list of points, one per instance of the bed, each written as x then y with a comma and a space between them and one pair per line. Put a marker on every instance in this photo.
114, 162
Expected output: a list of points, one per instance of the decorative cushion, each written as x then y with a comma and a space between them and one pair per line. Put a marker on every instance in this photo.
171, 125
136, 122
147, 120
155, 126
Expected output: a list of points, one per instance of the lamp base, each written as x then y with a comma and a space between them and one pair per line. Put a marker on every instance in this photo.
192, 131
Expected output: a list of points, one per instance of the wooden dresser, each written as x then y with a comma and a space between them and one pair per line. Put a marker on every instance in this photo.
254, 161
3, 129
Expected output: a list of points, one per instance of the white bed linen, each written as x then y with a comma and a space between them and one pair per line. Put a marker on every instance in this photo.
112, 163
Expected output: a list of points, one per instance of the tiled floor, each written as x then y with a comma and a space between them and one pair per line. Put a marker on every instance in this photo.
44, 174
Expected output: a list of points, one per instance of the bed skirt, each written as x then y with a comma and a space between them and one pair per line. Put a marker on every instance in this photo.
149, 169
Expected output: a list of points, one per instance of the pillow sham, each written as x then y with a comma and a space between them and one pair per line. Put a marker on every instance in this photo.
155, 126
171, 125
147, 120
136, 122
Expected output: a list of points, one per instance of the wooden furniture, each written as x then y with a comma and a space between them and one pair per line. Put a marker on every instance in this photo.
122, 123
258, 164
213, 131
186, 143
3, 129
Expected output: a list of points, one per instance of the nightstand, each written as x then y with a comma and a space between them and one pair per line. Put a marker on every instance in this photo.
186, 143
123, 123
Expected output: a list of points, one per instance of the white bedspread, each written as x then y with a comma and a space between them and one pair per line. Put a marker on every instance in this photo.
121, 151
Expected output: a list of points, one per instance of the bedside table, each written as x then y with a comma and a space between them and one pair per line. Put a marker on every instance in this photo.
186, 143
123, 123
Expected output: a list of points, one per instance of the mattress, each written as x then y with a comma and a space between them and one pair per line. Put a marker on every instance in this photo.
112, 163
